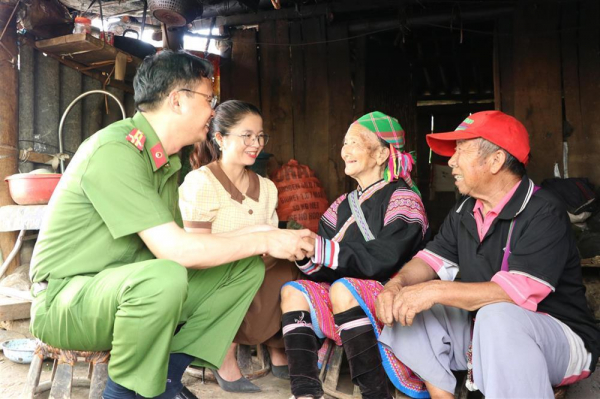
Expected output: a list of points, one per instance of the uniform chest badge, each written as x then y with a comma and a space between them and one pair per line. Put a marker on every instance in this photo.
137, 138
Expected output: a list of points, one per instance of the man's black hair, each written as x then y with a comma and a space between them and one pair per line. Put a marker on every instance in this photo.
161, 73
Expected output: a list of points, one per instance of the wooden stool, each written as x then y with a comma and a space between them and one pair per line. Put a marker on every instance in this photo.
330, 374
252, 369
62, 380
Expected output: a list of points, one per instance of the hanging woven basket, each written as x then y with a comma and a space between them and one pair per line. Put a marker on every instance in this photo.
175, 12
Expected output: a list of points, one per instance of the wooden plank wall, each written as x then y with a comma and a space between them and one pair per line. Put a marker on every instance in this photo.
548, 74
537, 84
311, 86
275, 73
389, 89
302, 83
582, 100
311, 82
340, 107
311, 143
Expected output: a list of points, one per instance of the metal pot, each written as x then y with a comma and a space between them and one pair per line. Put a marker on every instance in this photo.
32, 189
135, 47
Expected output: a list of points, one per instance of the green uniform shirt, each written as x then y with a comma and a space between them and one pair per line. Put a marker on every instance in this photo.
119, 182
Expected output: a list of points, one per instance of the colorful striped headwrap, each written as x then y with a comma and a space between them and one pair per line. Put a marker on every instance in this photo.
388, 129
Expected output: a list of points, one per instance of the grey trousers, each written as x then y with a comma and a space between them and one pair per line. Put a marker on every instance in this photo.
516, 353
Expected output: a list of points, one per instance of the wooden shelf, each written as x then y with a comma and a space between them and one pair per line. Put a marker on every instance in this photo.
90, 52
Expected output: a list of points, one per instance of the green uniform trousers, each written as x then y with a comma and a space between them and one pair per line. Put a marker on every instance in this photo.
134, 310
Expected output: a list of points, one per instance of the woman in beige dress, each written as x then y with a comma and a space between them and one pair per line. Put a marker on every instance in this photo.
221, 195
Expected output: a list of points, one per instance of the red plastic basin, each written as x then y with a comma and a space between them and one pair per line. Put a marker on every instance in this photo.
32, 189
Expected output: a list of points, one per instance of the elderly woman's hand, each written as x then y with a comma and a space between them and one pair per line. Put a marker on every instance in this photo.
311, 240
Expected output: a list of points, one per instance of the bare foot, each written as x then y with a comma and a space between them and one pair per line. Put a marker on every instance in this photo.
229, 370
278, 356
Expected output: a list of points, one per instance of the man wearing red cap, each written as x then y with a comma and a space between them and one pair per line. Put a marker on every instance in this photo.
518, 319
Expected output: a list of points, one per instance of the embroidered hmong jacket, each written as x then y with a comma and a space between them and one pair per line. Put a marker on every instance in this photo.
396, 217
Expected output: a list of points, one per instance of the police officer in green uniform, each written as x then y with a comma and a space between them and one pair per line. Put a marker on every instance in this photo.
114, 270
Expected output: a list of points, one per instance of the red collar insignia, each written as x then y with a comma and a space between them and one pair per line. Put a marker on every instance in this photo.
158, 155
137, 138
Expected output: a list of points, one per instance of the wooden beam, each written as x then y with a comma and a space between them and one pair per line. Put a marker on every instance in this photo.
331, 10
237, 18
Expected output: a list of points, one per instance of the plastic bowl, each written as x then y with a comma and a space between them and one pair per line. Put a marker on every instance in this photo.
32, 189
19, 350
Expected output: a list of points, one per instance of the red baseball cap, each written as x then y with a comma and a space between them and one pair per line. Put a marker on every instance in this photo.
494, 126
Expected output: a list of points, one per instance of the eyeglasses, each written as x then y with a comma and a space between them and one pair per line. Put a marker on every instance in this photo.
212, 100
250, 139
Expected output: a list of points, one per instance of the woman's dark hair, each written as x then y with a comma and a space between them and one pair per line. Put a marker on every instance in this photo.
227, 115
163, 72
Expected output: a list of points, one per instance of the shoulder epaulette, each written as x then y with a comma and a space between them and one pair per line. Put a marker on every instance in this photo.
137, 138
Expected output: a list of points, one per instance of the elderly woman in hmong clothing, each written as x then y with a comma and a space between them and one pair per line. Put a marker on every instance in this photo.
364, 238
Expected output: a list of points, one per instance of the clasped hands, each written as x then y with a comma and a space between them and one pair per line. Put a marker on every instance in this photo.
396, 303
292, 245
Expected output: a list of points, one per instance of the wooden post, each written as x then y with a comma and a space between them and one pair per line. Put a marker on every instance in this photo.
9, 118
